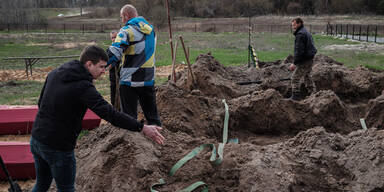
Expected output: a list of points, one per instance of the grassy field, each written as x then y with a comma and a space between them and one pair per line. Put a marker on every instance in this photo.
228, 48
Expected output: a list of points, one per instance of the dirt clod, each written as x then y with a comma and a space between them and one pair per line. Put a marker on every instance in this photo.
316, 144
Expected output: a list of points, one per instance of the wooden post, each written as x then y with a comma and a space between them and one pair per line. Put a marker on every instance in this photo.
327, 29
173, 74
187, 58
26, 66
170, 30
46, 28
367, 32
195, 28
117, 88
249, 41
83, 29
376, 34
8, 27
64, 27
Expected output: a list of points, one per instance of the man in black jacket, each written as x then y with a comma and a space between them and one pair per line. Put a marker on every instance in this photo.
67, 93
304, 53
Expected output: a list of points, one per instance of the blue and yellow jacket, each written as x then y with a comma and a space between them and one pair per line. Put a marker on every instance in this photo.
135, 46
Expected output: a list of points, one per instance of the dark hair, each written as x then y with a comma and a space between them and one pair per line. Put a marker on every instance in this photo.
298, 20
94, 54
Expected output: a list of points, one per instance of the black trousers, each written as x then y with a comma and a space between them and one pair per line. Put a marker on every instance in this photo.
146, 96
112, 79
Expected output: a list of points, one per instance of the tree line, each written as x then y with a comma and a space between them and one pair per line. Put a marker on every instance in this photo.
26, 11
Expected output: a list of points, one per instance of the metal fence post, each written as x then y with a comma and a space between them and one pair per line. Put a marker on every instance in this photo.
83, 29
360, 34
375, 33
353, 31
367, 32
64, 27
346, 35
336, 30
341, 30
46, 28
8, 26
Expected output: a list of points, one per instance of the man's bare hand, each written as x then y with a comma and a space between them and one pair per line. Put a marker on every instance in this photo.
152, 132
292, 67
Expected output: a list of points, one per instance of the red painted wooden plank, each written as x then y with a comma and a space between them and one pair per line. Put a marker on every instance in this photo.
18, 159
19, 119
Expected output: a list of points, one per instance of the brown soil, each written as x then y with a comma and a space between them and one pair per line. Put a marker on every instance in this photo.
39, 74
316, 144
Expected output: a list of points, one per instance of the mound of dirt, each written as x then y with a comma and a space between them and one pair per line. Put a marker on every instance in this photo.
318, 161
351, 85
279, 149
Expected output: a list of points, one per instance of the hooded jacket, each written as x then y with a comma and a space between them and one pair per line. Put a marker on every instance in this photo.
135, 46
67, 93
304, 46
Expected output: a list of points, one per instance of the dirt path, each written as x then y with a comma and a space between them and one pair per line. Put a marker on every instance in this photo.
39, 74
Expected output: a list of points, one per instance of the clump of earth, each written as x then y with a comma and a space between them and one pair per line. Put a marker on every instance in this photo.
316, 144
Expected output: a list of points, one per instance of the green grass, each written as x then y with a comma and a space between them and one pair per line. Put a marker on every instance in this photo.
24, 45
20, 92
228, 48
353, 59
83, 133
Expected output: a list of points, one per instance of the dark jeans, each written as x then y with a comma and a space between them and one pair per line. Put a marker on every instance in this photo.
53, 164
146, 96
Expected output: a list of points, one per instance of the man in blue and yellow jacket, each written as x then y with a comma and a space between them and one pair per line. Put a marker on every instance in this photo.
135, 46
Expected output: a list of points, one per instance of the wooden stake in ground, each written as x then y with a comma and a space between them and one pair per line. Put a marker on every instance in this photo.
117, 88
170, 35
173, 75
187, 58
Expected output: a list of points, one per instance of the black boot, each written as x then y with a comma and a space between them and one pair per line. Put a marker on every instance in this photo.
295, 96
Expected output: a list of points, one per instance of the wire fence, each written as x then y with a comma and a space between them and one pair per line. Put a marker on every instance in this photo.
181, 27
372, 33
368, 33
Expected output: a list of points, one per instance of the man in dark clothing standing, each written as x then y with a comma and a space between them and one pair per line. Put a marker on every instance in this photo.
67, 93
304, 53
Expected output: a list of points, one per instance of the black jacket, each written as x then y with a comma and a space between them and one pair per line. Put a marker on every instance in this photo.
304, 46
67, 93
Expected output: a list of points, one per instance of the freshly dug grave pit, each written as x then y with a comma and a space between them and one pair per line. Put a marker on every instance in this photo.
328, 153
